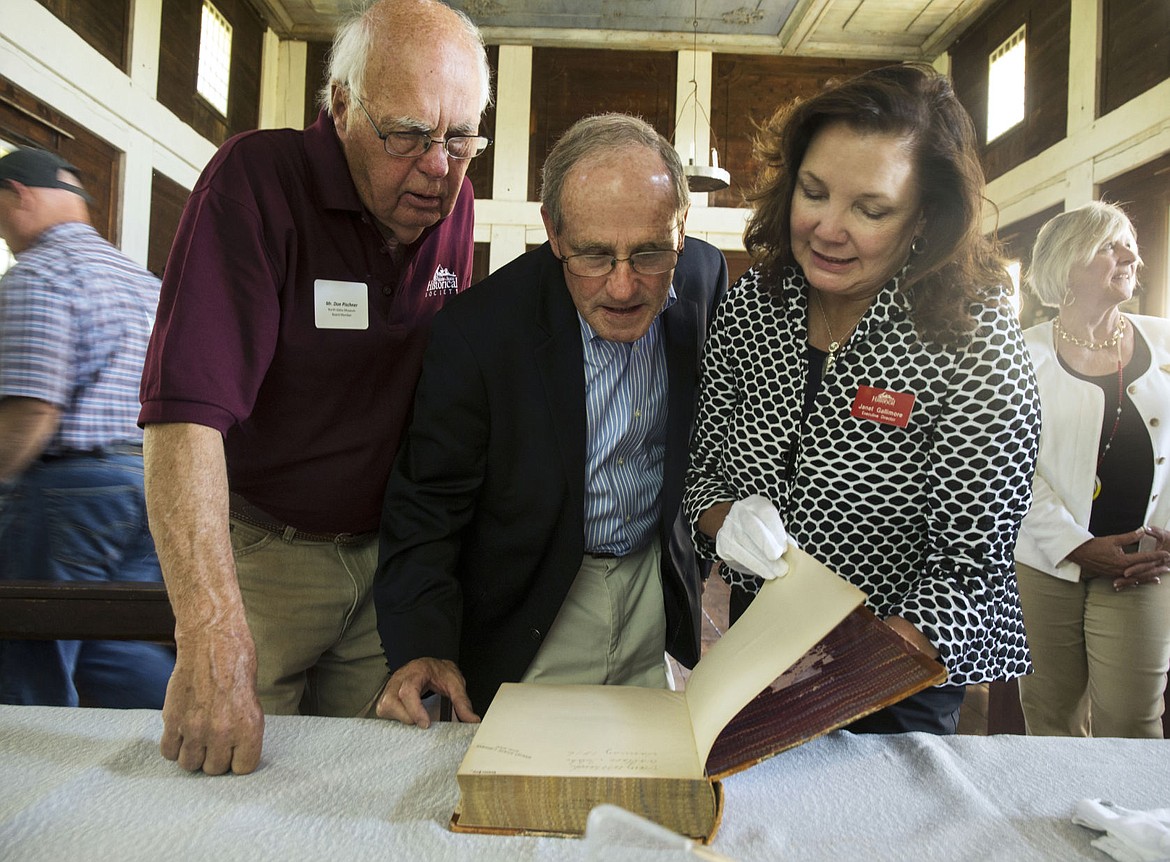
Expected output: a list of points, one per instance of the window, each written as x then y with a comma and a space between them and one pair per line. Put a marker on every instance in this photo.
1005, 85
215, 58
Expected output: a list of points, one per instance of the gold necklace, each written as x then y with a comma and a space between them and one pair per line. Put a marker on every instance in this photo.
1111, 341
1116, 425
834, 344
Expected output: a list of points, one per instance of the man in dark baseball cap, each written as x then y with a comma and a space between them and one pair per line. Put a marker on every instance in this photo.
75, 318
39, 169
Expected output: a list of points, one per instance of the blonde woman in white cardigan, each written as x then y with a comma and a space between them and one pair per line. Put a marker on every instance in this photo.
1094, 550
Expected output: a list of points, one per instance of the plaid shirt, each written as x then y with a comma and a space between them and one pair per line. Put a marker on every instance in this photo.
75, 317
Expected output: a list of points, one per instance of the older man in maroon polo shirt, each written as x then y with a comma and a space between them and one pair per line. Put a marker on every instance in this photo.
295, 307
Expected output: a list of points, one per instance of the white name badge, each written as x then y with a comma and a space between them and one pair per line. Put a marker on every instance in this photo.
341, 304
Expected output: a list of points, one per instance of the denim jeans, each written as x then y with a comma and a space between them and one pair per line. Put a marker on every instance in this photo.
82, 519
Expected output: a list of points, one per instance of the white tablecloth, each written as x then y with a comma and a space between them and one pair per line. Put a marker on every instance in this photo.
90, 785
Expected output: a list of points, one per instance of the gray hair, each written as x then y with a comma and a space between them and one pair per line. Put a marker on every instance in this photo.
354, 40
1071, 240
602, 133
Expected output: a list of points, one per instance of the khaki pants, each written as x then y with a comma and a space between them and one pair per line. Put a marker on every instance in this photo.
611, 628
311, 614
1100, 656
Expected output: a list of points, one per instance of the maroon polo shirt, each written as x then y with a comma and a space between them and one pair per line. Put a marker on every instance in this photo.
260, 326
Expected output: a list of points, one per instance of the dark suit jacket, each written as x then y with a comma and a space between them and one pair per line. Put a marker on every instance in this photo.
483, 526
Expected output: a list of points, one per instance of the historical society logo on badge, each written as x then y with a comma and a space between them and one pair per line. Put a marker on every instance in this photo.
443, 282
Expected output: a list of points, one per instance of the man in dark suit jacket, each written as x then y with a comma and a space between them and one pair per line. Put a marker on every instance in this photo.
548, 445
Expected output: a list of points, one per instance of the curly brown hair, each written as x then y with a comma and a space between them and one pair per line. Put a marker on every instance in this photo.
958, 266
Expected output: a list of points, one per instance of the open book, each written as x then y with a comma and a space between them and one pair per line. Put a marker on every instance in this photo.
805, 658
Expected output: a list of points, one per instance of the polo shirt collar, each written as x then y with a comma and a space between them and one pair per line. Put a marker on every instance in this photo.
328, 168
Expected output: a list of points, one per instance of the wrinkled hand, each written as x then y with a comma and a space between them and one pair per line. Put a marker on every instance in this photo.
402, 697
753, 539
211, 717
1105, 557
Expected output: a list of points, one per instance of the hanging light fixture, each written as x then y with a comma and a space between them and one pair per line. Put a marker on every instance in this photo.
701, 178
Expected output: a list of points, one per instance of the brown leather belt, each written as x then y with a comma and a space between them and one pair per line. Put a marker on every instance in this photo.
246, 513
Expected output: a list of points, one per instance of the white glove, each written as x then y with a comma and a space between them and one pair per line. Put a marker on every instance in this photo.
752, 538
1130, 835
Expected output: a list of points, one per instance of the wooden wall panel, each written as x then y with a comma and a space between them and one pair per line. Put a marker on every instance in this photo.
738, 262
179, 66
316, 56
1144, 193
179, 57
26, 121
480, 169
481, 262
247, 51
1046, 78
104, 24
746, 90
1135, 49
167, 198
571, 83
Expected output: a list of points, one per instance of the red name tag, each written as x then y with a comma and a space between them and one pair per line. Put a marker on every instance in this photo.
883, 405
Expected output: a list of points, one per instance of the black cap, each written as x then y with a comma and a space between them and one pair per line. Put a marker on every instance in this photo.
38, 168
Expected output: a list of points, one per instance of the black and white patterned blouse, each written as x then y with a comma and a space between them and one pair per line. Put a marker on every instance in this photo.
923, 518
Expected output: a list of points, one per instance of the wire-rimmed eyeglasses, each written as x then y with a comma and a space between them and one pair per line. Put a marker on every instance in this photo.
641, 262
409, 145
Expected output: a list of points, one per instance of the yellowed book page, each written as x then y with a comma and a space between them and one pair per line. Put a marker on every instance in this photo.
585, 730
785, 621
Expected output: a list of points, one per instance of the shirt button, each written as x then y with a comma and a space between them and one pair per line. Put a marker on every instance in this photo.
534, 634
637, 414
627, 519
621, 462
1155, 422
1162, 459
1132, 388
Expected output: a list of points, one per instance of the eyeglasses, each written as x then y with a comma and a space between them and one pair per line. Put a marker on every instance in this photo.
642, 262
408, 145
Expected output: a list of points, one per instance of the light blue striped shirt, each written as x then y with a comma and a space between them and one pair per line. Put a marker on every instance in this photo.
75, 317
625, 408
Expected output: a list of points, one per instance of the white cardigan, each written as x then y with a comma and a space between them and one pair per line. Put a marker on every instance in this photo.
1071, 412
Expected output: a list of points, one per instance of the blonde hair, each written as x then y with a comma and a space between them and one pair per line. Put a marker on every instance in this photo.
1071, 240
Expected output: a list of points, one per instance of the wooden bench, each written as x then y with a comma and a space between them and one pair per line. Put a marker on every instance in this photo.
44, 610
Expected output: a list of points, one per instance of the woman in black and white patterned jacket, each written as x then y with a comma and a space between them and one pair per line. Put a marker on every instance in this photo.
866, 389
